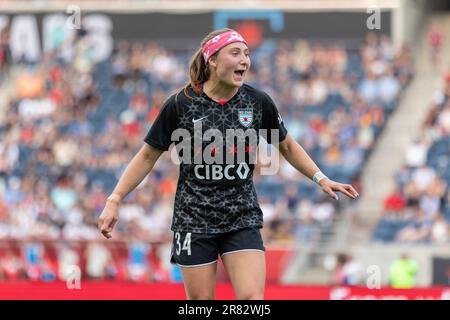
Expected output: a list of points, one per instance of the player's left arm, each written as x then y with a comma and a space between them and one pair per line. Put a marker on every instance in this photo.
300, 160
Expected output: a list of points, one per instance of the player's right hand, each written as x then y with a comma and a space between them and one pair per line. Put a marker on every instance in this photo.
108, 218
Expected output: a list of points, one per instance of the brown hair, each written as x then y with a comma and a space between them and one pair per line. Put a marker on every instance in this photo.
198, 69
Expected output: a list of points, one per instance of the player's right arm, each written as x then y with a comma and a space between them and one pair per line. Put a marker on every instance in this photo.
141, 164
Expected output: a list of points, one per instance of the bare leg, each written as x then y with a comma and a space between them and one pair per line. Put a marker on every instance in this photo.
247, 272
200, 282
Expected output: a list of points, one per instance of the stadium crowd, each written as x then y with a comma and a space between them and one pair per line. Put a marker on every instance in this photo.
418, 210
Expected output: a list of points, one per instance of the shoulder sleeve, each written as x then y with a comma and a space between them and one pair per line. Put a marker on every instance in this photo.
159, 135
271, 119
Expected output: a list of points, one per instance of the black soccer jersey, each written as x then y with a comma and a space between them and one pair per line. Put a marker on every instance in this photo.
216, 145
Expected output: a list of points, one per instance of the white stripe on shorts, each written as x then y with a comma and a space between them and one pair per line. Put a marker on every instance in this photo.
240, 251
196, 265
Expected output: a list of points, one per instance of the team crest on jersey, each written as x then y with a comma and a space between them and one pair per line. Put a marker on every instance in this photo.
246, 117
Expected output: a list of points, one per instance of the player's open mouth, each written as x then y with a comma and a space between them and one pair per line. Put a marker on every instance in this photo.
239, 73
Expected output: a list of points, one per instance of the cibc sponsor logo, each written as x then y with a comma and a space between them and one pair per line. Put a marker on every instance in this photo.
218, 172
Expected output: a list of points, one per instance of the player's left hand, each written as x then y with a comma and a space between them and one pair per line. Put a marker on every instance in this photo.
330, 186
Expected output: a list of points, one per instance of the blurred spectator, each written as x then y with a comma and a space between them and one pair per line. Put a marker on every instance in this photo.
282, 234
347, 271
368, 88
12, 266
416, 153
440, 230
389, 86
68, 259
417, 230
435, 41
268, 209
307, 231
444, 120
175, 274
63, 195
353, 271
30, 87
5, 51
324, 212
403, 272
99, 264
47, 270
395, 202
33, 255
83, 61
423, 177
138, 264
292, 198
338, 277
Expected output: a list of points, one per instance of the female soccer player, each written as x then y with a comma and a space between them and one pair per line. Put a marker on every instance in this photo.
216, 211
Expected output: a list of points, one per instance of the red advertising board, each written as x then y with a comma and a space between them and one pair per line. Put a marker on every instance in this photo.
141, 291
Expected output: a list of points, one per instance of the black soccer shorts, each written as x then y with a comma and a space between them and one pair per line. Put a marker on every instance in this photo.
194, 249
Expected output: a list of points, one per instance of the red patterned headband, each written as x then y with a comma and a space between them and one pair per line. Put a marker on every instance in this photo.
220, 41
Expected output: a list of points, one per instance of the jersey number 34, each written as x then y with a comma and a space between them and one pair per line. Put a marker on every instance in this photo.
186, 243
